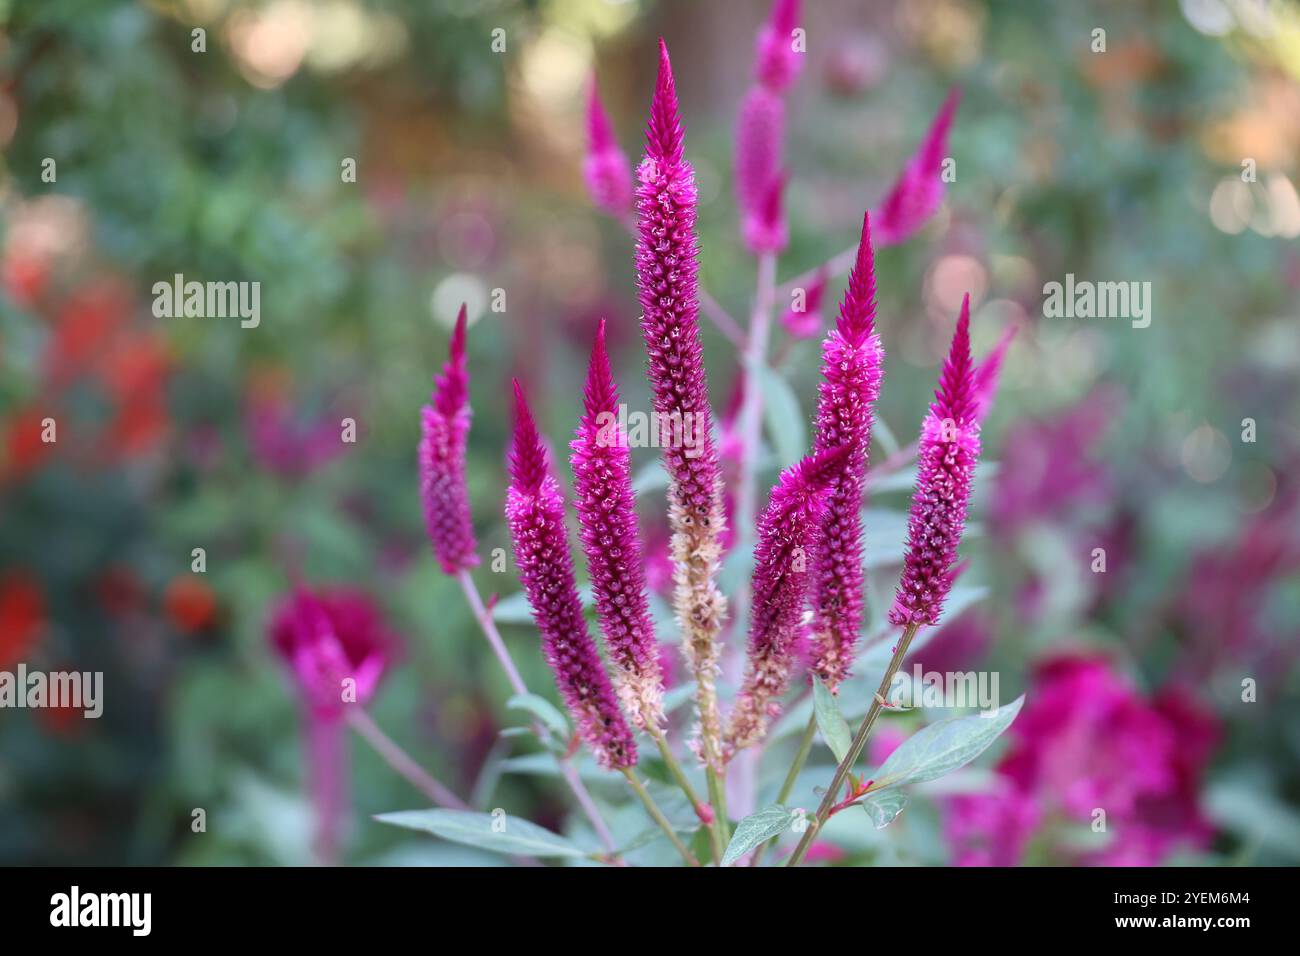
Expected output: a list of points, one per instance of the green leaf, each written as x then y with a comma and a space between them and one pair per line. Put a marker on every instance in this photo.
834, 728
944, 746
757, 828
543, 710
500, 834
784, 419
883, 807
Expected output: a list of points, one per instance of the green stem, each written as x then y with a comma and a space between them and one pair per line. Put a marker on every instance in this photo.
719, 830
658, 816
855, 749
800, 758
675, 768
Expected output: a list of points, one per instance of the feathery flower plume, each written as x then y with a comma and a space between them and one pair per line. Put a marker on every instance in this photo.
807, 322
919, 189
852, 360
785, 532
777, 62
989, 371
445, 427
535, 513
606, 506
949, 448
759, 133
666, 281
606, 169
765, 229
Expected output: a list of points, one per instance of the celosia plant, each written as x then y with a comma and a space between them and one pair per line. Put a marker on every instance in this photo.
804, 604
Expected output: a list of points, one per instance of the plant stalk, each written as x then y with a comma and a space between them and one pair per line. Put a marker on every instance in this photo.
855, 749
658, 816
800, 758
401, 761
567, 771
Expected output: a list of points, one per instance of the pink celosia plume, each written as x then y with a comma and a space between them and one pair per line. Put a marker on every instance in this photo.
781, 564
765, 228
445, 428
666, 281
759, 133
989, 372
805, 322
852, 360
761, 129
777, 62
919, 188
606, 169
606, 508
949, 449
535, 513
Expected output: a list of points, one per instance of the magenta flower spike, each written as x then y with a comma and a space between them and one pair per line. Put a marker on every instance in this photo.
988, 372
606, 505
761, 129
781, 561
777, 61
535, 513
445, 427
765, 228
666, 280
759, 133
919, 188
806, 322
852, 360
949, 449
606, 169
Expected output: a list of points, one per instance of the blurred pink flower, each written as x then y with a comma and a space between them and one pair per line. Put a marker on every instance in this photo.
337, 646
1050, 465
328, 637
606, 168
283, 442
1087, 740
807, 322
919, 189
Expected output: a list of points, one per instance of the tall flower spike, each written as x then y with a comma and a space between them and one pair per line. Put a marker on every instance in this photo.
602, 476
765, 229
949, 448
852, 360
535, 513
445, 427
989, 372
785, 533
919, 188
777, 62
759, 133
666, 281
606, 169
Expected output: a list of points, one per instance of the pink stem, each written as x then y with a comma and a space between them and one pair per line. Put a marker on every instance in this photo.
567, 770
